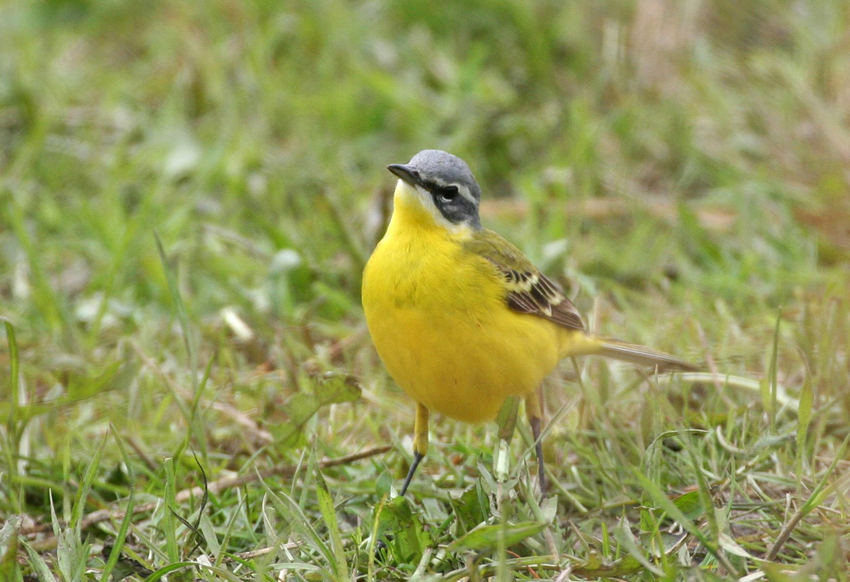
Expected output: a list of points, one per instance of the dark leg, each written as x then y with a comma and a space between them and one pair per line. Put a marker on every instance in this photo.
534, 412
420, 448
420, 443
417, 457
538, 449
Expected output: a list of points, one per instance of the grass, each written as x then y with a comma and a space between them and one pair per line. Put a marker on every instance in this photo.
188, 193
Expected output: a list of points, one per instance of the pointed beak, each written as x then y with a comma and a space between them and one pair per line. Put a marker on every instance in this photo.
407, 173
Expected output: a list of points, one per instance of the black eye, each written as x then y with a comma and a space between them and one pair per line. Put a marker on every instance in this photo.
448, 192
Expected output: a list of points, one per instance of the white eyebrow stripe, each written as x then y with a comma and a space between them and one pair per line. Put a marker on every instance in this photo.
464, 191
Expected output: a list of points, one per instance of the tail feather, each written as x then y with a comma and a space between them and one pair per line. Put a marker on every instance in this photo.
619, 350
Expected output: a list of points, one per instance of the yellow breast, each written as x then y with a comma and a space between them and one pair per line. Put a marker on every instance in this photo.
439, 321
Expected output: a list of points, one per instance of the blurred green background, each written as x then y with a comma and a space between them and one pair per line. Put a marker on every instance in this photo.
682, 167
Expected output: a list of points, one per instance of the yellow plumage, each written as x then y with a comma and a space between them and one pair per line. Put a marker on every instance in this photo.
439, 321
460, 318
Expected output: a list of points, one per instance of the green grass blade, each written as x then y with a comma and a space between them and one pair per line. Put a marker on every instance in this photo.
9, 569
49, 305
817, 496
169, 520
326, 507
14, 380
173, 567
182, 315
13, 430
121, 535
663, 502
196, 418
627, 541
84, 488
773, 376
38, 564
489, 537
300, 523
804, 417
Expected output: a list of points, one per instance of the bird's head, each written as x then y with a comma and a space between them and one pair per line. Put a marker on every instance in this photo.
443, 185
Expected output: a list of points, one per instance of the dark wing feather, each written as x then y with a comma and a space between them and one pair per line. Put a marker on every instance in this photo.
533, 292
527, 289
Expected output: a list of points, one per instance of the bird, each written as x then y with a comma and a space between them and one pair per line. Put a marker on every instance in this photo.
460, 317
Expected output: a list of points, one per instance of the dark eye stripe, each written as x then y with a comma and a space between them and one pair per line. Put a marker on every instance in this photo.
448, 192
454, 206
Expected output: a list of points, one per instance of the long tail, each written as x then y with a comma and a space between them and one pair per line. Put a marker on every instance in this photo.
619, 350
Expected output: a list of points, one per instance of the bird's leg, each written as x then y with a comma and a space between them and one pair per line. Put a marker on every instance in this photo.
534, 412
420, 443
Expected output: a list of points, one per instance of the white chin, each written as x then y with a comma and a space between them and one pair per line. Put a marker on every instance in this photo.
423, 197
417, 193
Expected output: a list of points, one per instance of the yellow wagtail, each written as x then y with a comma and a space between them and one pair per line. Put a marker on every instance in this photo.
459, 316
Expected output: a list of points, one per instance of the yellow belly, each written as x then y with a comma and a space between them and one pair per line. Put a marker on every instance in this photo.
443, 330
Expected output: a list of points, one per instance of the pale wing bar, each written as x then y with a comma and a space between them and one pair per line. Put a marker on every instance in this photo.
534, 293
